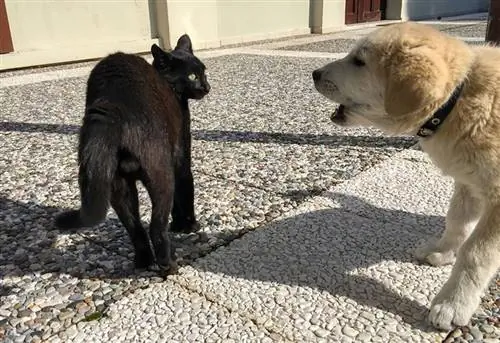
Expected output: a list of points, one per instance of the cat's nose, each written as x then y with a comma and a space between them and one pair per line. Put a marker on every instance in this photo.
207, 87
317, 75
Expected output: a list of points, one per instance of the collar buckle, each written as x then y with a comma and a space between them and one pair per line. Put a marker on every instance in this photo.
431, 125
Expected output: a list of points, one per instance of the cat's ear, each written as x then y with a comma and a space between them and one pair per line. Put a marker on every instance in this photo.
157, 52
184, 43
161, 58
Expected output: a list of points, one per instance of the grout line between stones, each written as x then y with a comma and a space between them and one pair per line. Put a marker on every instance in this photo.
271, 332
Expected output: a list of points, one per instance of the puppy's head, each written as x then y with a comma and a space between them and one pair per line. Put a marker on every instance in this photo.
394, 78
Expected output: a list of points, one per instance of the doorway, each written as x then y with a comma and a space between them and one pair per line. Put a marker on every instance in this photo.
361, 11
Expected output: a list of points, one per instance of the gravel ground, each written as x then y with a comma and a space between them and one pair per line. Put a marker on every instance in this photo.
263, 145
345, 45
52, 280
475, 30
334, 45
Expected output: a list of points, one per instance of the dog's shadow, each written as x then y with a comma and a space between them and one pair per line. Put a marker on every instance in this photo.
336, 251
322, 249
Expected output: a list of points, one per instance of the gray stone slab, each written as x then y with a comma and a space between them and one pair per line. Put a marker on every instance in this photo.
277, 95
266, 94
293, 165
334, 45
345, 45
475, 30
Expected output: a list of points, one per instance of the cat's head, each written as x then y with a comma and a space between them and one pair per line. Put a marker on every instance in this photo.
183, 70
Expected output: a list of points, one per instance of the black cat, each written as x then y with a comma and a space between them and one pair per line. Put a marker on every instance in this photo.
137, 127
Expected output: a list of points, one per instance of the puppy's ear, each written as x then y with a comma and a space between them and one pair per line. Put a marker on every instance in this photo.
184, 43
416, 79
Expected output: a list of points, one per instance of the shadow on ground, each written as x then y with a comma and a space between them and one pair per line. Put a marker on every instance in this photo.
325, 250
237, 136
320, 249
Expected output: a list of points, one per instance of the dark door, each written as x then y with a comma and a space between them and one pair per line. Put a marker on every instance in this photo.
5, 39
383, 7
360, 11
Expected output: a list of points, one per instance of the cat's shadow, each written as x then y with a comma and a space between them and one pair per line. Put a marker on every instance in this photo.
305, 250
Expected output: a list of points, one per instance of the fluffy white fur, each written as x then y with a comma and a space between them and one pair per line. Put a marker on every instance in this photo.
395, 79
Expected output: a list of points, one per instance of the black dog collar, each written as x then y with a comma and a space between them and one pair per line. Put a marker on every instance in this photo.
440, 115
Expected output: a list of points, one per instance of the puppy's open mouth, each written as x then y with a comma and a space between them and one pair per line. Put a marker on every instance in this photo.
339, 114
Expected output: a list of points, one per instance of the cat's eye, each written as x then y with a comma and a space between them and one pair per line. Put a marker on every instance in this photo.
192, 77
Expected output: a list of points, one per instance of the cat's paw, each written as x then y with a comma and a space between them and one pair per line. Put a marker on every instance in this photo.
169, 268
143, 259
431, 254
448, 311
184, 227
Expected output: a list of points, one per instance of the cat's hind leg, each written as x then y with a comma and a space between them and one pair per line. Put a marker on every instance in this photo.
158, 179
124, 201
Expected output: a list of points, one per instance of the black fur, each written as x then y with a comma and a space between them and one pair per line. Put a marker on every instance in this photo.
137, 127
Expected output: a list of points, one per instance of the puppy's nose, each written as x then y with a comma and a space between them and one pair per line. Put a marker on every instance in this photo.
316, 75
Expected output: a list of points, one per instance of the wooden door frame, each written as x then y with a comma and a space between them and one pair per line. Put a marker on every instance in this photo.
5, 37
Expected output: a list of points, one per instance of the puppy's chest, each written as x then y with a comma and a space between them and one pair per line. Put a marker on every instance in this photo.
449, 161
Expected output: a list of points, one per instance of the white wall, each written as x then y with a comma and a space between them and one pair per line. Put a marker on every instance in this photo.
333, 15
54, 31
197, 18
212, 23
244, 20
424, 9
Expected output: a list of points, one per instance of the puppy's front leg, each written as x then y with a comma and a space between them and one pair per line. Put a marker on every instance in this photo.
477, 262
462, 216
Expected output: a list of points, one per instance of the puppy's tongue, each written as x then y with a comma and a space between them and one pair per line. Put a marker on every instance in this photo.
338, 114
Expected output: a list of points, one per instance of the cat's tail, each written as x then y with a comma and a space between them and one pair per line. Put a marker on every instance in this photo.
100, 137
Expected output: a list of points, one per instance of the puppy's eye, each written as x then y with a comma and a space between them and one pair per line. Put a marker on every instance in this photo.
358, 62
192, 77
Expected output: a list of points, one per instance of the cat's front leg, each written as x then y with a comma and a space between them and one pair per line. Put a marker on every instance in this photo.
183, 216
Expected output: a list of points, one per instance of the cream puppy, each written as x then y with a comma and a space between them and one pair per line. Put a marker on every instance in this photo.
409, 78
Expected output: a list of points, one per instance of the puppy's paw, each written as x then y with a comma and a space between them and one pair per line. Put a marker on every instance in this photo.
446, 313
438, 259
430, 253
184, 227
